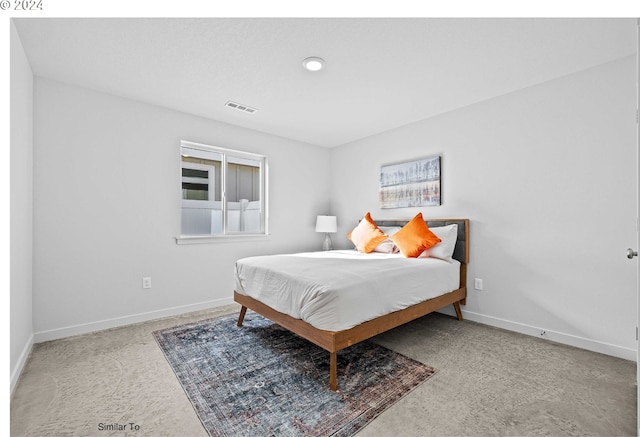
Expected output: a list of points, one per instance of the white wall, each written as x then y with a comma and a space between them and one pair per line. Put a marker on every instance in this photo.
107, 210
21, 215
547, 176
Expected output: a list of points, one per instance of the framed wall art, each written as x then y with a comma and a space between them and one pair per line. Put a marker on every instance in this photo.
411, 183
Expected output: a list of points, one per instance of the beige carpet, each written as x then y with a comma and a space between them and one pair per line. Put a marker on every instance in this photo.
490, 383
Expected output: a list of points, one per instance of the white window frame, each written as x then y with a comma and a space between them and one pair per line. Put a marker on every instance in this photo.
225, 236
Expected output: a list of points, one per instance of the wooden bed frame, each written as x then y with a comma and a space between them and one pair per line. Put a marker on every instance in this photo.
333, 341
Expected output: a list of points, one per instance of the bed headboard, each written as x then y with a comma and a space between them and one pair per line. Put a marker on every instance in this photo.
461, 252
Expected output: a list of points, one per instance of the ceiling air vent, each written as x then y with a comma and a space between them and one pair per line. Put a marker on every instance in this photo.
240, 107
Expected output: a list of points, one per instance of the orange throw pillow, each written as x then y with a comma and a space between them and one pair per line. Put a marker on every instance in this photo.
415, 237
366, 236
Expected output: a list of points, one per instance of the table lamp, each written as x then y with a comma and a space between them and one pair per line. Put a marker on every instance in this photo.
327, 224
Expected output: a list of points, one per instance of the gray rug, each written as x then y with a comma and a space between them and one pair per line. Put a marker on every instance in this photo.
261, 379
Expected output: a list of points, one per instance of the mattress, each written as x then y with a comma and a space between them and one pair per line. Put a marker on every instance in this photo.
339, 289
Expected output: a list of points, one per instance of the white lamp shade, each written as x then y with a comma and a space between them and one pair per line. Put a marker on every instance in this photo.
326, 223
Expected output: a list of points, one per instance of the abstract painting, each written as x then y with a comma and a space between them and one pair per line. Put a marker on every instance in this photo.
411, 183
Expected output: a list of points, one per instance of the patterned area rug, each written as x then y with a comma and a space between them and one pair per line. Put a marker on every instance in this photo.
260, 379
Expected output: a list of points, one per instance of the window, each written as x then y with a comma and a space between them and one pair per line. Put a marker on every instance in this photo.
223, 191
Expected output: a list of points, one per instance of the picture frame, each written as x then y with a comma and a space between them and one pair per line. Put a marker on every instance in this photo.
413, 183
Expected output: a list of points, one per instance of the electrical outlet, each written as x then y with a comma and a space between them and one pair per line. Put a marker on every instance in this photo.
478, 284
146, 282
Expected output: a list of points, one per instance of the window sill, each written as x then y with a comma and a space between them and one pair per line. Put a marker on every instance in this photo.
207, 239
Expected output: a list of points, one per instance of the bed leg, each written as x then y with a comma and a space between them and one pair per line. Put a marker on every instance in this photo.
456, 305
243, 311
333, 371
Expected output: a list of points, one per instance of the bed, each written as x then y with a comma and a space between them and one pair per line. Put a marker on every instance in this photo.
336, 299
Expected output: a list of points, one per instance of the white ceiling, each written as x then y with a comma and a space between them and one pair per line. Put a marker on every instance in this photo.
380, 73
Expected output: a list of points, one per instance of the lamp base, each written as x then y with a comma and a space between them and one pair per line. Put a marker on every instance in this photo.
327, 245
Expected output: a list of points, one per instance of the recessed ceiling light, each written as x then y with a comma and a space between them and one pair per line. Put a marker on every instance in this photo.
313, 63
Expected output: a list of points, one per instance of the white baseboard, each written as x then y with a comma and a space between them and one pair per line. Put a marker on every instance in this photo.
559, 337
54, 334
69, 331
17, 370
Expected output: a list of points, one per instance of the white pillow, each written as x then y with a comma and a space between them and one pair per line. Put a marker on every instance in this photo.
443, 250
389, 230
387, 246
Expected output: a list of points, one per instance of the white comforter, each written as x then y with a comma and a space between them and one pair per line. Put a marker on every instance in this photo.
340, 289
